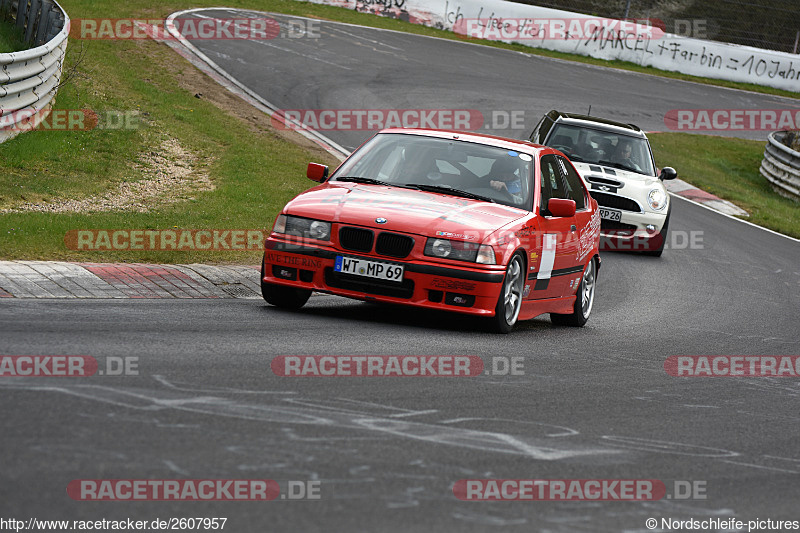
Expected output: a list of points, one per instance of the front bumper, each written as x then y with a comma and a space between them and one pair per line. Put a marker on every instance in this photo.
425, 284
632, 233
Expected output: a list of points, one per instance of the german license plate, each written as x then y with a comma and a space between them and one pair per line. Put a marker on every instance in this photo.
369, 269
610, 214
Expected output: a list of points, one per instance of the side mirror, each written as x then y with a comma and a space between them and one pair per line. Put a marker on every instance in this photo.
317, 172
668, 173
560, 207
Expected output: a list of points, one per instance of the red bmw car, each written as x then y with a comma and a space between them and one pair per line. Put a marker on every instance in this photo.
445, 220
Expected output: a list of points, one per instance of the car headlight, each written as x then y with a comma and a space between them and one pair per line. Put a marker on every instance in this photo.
303, 227
486, 255
460, 251
657, 199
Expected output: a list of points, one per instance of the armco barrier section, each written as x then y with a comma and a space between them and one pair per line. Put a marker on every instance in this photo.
29, 79
569, 32
781, 166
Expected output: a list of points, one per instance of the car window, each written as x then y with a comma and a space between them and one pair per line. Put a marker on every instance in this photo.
479, 166
574, 185
387, 170
564, 138
552, 182
541, 130
583, 144
447, 167
499, 174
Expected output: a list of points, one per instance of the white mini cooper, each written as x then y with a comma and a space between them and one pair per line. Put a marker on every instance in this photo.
616, 161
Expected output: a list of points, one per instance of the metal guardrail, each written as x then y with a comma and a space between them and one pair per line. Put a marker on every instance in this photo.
781, 166
29, 79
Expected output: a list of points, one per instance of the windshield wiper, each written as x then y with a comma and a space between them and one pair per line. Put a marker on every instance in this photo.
618, 165
371, 181
446, 189
360, 179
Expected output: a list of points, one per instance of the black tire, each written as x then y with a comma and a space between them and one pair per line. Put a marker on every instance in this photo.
584, 300
282, 296
663, 235
509, 303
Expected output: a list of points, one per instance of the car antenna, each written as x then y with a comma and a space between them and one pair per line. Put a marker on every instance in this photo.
589, 114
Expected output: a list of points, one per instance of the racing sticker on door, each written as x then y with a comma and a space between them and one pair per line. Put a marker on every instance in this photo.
548, 259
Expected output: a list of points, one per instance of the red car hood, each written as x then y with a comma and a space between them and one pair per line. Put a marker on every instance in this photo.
405, 210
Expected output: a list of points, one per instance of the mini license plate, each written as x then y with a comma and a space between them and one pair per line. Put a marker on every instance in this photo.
369, 269
610, 214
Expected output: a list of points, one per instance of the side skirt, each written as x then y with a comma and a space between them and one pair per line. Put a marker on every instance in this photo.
533, 308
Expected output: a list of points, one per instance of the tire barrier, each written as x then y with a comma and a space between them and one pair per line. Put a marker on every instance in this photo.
29, 79
781, 166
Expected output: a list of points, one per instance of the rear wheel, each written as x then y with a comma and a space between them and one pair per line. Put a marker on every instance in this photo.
584, 300
282, 296
509, 302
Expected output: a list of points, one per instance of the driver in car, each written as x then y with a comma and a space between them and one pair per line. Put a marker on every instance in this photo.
624, 156
505, 175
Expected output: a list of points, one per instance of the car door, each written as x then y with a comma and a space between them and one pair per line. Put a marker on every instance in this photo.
555, 262
586, 220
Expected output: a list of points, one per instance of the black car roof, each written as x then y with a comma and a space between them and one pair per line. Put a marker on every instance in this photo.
555, 115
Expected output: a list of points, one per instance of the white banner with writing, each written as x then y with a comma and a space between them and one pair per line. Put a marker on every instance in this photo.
644, 44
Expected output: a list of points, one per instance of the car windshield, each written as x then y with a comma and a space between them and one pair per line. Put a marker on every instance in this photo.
445, 166
588, 145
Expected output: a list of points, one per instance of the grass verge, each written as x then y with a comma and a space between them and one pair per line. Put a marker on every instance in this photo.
728, 168
10, 37
253, 168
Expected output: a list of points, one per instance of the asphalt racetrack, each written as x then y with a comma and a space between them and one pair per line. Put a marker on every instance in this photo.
591, 403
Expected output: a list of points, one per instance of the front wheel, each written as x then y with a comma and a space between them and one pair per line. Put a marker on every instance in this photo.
282, 296
509, 302
584, 300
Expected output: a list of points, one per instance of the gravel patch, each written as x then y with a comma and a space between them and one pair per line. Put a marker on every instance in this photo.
171, 174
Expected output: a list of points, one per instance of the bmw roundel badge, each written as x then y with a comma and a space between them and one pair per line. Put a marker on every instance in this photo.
381, 220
